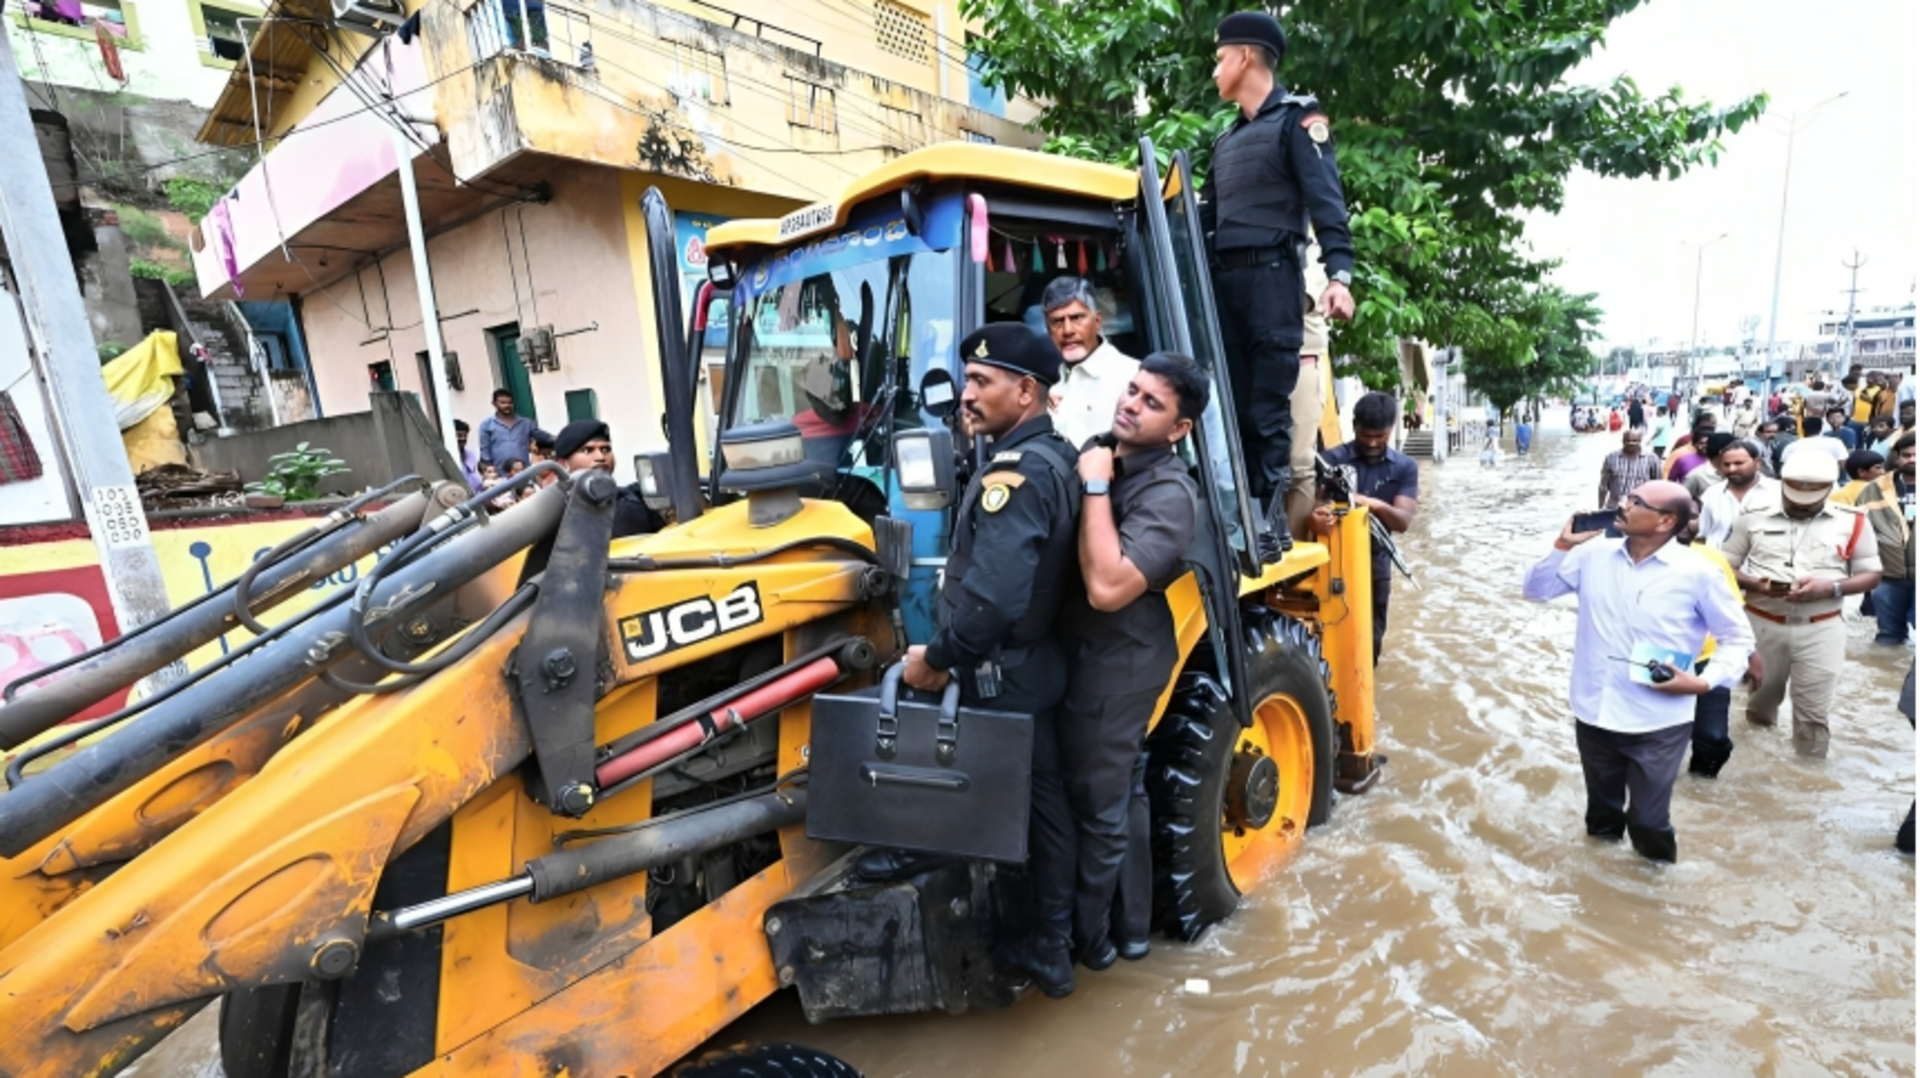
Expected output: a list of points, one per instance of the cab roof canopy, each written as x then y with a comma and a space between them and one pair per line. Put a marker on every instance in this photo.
935, 164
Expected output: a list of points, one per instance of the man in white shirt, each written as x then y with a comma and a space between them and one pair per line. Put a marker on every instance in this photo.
1093, 373
1640, 595
1744, 490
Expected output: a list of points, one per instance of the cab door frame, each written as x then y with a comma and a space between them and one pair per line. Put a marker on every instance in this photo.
1218, 563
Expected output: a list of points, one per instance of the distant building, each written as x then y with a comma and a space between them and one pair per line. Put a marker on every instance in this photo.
1882, 338
167, 50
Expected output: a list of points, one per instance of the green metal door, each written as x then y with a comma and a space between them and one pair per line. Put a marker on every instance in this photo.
513, 373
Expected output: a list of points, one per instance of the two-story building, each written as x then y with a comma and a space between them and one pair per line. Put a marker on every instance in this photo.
532, 129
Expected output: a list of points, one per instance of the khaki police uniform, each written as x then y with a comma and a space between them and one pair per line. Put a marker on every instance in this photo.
1802, 645
1307, 401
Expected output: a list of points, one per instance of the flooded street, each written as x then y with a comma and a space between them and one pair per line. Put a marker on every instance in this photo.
1456, 920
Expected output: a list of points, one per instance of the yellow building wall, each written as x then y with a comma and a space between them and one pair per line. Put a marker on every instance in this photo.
677, 95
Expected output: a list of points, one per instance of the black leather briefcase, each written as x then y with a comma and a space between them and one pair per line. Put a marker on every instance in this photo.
889, 767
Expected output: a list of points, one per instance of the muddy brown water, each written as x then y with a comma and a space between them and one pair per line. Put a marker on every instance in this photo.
1455, 920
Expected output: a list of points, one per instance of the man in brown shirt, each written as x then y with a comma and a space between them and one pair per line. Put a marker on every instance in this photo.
1137, 520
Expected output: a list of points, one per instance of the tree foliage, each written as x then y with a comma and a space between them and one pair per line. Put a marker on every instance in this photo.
1557, 361
1452, 119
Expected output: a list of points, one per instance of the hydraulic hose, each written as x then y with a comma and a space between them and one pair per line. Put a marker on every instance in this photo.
623, 853
86, 680
54, 798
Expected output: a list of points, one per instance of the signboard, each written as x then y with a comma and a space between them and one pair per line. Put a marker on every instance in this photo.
690, 240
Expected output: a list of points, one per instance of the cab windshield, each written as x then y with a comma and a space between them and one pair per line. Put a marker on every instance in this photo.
836, 332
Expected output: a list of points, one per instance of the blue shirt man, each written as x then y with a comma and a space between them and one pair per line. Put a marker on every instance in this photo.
505, 436
1386, 482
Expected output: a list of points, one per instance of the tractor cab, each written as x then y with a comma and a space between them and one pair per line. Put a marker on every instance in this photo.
847, 315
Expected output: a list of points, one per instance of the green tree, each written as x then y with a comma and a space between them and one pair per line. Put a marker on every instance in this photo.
1559, 359
1453, 119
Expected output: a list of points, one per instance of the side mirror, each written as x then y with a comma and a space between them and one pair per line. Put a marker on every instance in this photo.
912, 208
648, 468
923, 460
939, 397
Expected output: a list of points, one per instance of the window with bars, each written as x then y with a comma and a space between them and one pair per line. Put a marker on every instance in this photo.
980, 137
700, 73
810, 105
901, 31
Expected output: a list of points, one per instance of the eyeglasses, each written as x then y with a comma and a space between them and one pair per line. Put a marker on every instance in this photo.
1636, 499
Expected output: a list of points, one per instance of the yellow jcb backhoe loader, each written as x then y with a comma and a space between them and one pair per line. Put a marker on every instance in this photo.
529, 801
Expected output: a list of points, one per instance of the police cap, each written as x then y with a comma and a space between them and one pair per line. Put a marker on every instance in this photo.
1014, 347
1252, 28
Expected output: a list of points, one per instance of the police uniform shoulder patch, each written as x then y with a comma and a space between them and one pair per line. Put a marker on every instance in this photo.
1317, 127
999, 491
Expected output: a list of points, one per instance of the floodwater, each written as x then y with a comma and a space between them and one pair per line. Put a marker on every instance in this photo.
1455, 920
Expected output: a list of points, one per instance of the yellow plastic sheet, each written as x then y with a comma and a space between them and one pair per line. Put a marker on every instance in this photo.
140, 380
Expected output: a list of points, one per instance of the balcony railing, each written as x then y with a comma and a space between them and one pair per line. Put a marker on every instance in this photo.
538, 27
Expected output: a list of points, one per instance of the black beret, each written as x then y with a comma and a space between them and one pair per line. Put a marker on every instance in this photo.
1252, 28
576, 434
1015, 347
1718, 441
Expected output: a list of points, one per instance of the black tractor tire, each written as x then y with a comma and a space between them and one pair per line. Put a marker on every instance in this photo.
778, 1060
1208, 783
256, 1030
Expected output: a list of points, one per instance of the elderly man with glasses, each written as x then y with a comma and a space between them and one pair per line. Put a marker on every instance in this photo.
1093, 373
1645, 603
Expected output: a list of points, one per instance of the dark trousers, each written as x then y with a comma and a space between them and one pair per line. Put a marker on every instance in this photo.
1050, 837
1711, 744
1382, 595
1630, 784
1132, 918
1262, 317
1100, 740
1892, 610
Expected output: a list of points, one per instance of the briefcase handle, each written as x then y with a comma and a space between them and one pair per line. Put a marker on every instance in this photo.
946, 734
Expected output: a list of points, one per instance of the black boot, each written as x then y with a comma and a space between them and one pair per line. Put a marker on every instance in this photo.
1048, 962
1274, 543
1099, 954
1654, 845
883, 865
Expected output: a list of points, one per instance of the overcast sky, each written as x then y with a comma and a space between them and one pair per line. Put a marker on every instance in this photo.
1854, 182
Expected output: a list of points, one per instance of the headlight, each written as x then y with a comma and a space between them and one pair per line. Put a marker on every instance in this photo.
923, 465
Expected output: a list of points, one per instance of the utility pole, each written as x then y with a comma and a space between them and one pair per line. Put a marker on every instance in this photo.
423, 278
1780, 245
61, 339
1693, 342
1845, 351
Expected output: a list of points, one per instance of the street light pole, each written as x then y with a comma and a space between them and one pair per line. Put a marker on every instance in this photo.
1693, 342
1780, 244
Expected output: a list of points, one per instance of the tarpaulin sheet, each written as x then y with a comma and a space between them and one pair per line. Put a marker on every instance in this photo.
140, 380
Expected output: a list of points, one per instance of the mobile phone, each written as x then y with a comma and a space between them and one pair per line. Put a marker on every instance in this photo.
1779, 587
1597, 521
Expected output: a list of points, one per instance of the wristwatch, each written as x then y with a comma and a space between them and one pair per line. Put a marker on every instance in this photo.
1345, 277
1094, 488
1837, 593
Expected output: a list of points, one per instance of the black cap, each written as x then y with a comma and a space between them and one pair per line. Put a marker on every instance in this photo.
1014, 347
577, 434
1252, 28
